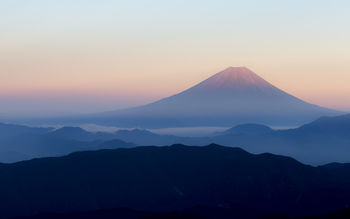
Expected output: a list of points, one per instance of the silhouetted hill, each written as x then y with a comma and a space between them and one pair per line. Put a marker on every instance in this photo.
10, 130
79, 134
322, 141
247, 129
41, 145
19, 142
13, 156
36, 146
23, 143
121, 213
172, 179
335, 126
114, 144
144, 137
340, 214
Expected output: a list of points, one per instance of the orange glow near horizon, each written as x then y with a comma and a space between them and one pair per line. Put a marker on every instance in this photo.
149, 87
118, 54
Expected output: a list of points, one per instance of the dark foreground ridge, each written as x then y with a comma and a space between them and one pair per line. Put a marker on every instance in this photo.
340, 214
124, 213
174, 178
121, 213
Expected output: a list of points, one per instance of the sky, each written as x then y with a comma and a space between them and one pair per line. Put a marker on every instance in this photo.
83, 56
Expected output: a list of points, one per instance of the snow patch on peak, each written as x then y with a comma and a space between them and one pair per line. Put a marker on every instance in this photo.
234, 78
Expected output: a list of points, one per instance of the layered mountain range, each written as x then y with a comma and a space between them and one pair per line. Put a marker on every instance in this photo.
324, 140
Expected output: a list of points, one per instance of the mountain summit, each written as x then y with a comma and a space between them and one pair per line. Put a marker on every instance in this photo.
234, 95
237, 78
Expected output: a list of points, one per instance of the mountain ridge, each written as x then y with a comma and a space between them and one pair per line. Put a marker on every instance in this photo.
172, 178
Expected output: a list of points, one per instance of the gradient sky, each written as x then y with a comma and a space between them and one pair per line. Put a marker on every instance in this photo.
63, 56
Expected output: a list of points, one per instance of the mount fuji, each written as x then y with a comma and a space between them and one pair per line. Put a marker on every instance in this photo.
233, 96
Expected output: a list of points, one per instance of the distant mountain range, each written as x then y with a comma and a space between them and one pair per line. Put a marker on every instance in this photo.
325, 140
19, 142
174, 178
232, 96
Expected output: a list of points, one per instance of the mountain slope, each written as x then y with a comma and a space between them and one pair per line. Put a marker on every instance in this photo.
172, 178
234, 95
